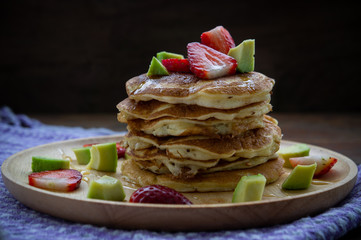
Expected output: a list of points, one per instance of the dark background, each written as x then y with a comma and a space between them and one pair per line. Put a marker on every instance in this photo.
75, 56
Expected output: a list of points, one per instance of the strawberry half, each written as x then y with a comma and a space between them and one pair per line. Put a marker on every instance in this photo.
60, 180
323, 165
158, 194
207, 63
176, 65
219, 39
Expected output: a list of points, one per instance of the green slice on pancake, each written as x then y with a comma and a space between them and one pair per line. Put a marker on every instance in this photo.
156, 68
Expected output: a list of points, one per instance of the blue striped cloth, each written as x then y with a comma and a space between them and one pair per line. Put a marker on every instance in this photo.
18, 132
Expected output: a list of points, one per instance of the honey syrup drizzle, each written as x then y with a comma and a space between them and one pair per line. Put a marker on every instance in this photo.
320, 182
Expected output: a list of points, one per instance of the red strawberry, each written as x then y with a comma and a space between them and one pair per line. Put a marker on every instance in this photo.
323, 165
327, 164
89, 144
120, 149
176, 65
158, 194
219, 39
207, 63
65, 180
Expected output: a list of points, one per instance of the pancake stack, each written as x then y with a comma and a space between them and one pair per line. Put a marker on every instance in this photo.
192, 134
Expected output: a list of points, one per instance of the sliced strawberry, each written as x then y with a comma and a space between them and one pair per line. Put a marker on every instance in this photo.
207, 63
327, 164
323, 165
176, 65
158, 194
61, 180
219, 39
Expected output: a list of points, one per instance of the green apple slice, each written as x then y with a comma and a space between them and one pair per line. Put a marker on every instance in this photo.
166, 55
244, 54
300, 177
82, 155
40, 164
296, 150
106, 188
249, 188
156, 68
104, 157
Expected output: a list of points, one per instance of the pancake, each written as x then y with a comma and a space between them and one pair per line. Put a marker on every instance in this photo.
217, 181
153, 109
223, 93
168, 126
188, 168
192, 134
257, 142
161, 164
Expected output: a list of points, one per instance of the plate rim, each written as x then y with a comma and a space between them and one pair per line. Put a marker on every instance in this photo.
351, 176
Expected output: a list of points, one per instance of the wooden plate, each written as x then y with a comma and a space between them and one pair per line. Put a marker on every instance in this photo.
211, 211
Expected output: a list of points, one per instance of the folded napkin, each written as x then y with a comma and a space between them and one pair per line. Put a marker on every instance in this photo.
19, 132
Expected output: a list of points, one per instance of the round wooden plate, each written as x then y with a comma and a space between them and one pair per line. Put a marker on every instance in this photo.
211, 211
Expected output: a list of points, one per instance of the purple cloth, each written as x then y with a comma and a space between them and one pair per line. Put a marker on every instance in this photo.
18, 132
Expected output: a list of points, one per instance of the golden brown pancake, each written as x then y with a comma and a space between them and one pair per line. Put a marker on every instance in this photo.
188, 168
169, 126
217, 181
223, 93
257, 142
201, 135
153, 109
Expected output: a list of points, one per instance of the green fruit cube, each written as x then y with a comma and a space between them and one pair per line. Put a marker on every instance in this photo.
249, 188
244, 54
82, 155
165, 55
106, 188
40, 164
104, 157
156, 68
296, 150
300, 177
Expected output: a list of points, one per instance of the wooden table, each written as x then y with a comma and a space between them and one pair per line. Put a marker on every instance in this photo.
339, 132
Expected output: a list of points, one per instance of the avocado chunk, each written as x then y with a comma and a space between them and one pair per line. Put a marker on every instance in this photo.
40, 164
126, 156
82, 155
106, 188
156, 68
296, 150
300, 177
104, 157
249, 188
165, 55
244, 54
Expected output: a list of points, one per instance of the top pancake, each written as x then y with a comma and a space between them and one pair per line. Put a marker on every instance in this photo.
222, 93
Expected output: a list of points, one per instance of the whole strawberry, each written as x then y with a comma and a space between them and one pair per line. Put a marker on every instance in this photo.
158, 194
